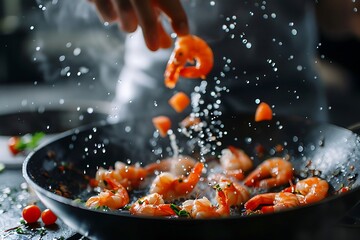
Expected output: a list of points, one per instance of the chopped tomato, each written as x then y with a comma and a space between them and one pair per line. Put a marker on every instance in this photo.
31, 213
48, 217
162, 124
179, 101
189, 121
263, 112
13, 144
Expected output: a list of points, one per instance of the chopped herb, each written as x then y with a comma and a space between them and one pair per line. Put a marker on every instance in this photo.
127, 207
178, 211
217, 187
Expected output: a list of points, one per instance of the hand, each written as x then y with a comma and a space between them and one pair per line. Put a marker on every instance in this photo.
145, 13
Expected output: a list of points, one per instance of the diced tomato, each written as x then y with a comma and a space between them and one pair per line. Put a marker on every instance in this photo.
179, 101
263, 112
162, 124
13, 144
189, 121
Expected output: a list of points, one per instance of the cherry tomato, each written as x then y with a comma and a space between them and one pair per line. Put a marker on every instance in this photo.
13, 145
31, 213
48, 217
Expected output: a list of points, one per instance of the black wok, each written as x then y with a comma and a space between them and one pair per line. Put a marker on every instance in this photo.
328, 151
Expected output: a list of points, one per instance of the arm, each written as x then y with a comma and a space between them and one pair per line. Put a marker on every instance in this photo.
130, 14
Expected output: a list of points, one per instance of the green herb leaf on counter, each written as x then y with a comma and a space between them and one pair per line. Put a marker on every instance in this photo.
2, 167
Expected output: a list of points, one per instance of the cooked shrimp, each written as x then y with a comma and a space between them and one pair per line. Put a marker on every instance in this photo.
172, 187
310, 190
130, 176
116, 198
235, 162
187, 49
272, 202
270, 173
203, 208
236, 193
180, 166
151, 205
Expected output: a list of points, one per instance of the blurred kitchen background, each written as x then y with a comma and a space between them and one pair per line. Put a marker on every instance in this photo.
58, 55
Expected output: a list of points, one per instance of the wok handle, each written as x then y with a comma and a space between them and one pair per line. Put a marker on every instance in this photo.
355, 127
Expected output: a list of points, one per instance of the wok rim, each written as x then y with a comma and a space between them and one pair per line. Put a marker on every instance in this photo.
66, 201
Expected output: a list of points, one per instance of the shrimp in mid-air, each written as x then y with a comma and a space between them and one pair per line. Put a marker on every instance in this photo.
236, 193
235, 162
272, 202
188, 49
203, 208
115, 198
172, 187
130, 176
272, 172
151, 205
309, 190
179, 166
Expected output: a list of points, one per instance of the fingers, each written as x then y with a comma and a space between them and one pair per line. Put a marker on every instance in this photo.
127, 17
145, 13
147, 18
105, 10
176, 13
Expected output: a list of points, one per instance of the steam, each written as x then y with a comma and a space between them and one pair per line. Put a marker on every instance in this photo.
72, 44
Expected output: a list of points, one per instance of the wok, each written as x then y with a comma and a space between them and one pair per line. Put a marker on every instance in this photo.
326, 150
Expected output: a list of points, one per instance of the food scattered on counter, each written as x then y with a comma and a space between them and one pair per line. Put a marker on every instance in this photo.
32, 213
48, 217
27, 142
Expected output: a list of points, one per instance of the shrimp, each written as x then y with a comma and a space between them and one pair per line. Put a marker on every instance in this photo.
236, 193
270, 173
309, 190
187, 49
272, 202
116, 198
151, 205
235, 162
128, 176
172, 187
180, 166
203, 208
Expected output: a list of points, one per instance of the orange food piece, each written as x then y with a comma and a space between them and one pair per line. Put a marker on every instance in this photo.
179, 101
48, 217
162, 124
31, 213
263, 112
190, 121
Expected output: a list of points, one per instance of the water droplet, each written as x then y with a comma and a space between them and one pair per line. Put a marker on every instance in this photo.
77, 51
90, 110
61, 58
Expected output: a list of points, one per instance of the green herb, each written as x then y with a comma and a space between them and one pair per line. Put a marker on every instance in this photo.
127, 207
178, 211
